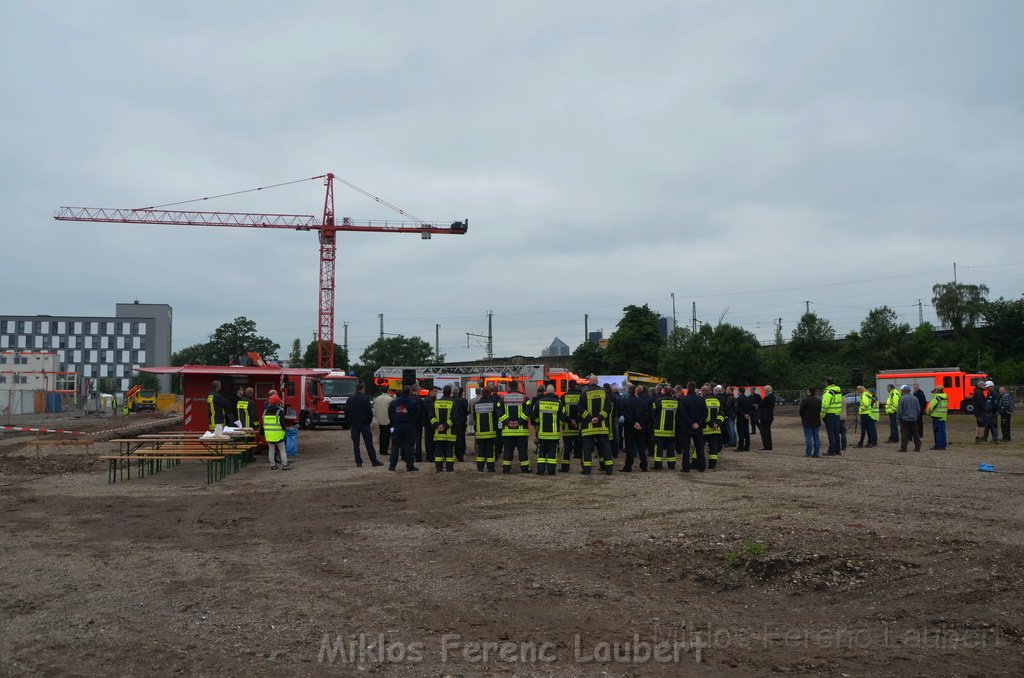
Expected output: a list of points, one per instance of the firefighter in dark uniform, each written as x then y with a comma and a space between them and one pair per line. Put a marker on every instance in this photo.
246, 409
595, 423
664, 409
570, 416
404, 415
218, 404
714, 426
515, 428
442, 423
545, 416
485, 425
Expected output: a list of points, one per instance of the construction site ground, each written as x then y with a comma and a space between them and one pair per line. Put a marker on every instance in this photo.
873, 563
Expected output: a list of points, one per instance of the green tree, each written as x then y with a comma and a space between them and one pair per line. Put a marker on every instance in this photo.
227, 342
636, 343
880, 343
108, 385
725, 353
146, 380
312, 355
922, 348
672, 361
812, 338
587, 359
398, 350
959, 306
196, 354
1005, 330
295, 357
236, 338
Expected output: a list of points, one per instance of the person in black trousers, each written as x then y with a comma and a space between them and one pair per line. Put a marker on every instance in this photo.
766, 415
460, 413
691, 416
744, 413
922, 400
636, 428
404, 415
359, 414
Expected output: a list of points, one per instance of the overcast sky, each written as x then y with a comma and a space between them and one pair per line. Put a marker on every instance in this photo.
746, 156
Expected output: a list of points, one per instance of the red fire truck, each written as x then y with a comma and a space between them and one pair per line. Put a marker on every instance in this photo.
310, 397
472, 377
956, 384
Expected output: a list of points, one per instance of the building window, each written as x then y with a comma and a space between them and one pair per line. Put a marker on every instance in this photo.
108, 356
140, 356
18, 379
136, 343
3, 360
78, 328
94, 356
87, 370
22, 341
62, 327
104, 371
38, 341
135, 328
37, 327
125, 357
111, 328
21, 327
3, 379
126, 328
120, 342
120, 371
104, 342
5, 341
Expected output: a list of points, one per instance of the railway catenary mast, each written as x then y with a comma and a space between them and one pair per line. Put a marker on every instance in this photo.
327, 227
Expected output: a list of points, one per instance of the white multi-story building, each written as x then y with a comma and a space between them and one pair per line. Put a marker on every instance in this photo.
97, 347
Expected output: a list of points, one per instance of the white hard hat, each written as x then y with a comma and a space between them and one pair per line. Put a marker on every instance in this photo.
989, 384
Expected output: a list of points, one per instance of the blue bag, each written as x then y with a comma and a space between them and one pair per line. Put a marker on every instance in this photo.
291, 441
987, 468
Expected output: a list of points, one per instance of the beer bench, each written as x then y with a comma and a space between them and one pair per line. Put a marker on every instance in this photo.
152, 451
119, 463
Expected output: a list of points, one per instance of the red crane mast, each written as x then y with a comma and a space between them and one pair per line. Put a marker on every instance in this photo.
327, 227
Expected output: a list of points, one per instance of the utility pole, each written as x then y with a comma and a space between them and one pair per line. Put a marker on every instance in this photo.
954, 273
807, 307
490, 335
920, 313
586, 327
381, 316
695, 317
673, 311
345, 329
437, 342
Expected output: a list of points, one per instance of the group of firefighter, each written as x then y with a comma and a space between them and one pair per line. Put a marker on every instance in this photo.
674, 425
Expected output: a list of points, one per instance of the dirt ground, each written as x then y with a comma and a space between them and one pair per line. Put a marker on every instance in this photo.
873, 563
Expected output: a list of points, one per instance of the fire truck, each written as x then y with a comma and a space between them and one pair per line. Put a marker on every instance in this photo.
473, 377
327, 406
956, 384
309, 397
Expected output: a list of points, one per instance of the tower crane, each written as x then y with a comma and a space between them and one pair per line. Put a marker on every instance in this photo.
328, 228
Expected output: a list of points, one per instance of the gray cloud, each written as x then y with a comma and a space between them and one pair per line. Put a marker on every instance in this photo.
738, 154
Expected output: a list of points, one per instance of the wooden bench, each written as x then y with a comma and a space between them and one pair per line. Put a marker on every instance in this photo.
121, 462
